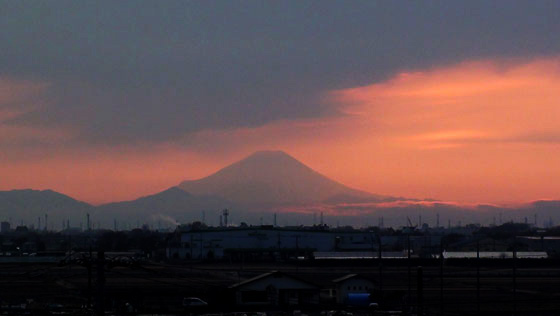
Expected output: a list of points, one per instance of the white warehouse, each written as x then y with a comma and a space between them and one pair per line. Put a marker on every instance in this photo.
219, 243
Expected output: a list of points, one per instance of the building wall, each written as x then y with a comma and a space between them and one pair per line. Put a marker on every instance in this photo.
276, 290
215, 243
199, 244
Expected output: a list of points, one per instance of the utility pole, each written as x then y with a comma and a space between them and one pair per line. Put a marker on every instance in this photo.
191, 244
89, 267
409, 274
420, 291
514, 276
380, 255
100, 264
478, 277
441, 258
100, 301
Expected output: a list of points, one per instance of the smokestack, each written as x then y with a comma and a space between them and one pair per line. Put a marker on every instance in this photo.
437, 220
275, 224
535, 219
46, 221
226, 214
88, 224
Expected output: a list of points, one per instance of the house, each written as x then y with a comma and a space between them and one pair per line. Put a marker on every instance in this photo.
349, 284
277, 289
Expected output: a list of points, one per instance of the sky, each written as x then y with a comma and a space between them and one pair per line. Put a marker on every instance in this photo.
449, 100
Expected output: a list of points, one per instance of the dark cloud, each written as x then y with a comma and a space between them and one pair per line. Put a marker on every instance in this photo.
151, 70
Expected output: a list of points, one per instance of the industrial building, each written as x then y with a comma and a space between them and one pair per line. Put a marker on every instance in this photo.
274, 242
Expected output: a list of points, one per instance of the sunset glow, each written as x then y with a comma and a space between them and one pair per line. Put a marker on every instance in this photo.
350, 146
476, 131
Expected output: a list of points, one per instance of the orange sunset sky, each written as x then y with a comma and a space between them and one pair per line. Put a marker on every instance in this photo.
472, 131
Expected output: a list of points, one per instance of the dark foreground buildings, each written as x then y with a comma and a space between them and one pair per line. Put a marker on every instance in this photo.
309, 270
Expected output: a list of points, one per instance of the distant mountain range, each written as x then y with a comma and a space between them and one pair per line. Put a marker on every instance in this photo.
264, 183
170, 206
28, 205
